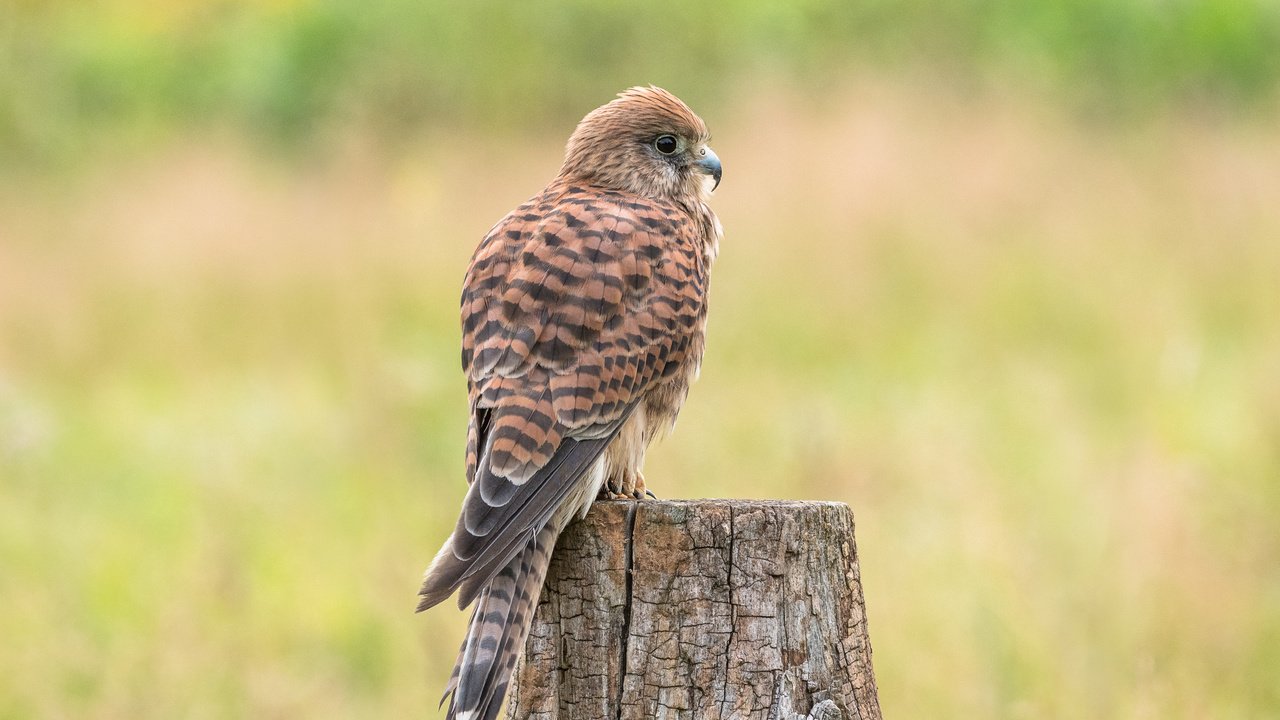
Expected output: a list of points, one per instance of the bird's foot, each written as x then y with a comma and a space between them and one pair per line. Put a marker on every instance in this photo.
612, 490
639, 491
627, 487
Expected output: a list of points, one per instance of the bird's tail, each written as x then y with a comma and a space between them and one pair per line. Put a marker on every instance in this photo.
496, 633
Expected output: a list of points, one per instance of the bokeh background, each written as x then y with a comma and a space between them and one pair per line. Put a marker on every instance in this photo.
1005, 277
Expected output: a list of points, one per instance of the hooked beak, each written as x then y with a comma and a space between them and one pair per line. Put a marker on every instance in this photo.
709, 163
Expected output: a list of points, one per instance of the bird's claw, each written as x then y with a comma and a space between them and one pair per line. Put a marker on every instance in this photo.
622, 489
638, 489
612, 490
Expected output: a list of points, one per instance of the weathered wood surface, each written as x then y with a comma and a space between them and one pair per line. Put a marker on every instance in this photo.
731, 609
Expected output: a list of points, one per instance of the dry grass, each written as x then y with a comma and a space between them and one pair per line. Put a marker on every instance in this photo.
1038, 358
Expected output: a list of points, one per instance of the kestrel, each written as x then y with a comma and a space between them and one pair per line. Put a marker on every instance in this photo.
583, 321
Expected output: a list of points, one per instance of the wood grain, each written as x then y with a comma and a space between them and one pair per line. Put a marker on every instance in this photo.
730, 609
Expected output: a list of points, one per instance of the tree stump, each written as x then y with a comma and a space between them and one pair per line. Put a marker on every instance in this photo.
706, 610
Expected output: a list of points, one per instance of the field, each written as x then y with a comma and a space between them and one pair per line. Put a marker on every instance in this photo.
1036, 350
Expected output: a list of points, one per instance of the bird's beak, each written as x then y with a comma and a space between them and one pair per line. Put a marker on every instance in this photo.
709, 163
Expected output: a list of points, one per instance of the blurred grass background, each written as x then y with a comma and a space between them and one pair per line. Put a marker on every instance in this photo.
1003, 276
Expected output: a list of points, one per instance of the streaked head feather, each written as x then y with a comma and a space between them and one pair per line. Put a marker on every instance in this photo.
613, 146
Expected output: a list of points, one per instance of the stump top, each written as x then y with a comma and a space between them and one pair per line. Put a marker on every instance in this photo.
700, 503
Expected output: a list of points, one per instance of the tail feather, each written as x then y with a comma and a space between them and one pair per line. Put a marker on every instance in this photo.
488, 536
502, 573
496, 634
453, 677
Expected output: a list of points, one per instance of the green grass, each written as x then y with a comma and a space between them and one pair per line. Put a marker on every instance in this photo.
75, 77
1037, 357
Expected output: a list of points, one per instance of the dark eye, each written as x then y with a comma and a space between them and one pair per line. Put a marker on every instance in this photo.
665, 144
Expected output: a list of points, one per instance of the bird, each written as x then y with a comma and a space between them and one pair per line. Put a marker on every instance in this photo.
584, 316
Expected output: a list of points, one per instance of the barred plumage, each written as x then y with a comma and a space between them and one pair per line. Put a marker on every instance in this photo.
583, 316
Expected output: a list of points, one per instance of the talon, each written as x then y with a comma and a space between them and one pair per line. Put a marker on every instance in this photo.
640, 491
611, 491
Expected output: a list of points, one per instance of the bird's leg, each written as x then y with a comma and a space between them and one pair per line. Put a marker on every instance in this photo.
612, 489
639, 491
628, 489
633, 486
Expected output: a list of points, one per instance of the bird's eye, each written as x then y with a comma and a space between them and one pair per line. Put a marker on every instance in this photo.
665, 144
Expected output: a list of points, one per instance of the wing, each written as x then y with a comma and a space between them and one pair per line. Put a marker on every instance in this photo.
573, 307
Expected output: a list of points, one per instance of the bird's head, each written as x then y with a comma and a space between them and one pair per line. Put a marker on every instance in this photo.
647, 142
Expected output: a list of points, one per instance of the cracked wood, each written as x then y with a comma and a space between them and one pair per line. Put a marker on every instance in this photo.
708, 609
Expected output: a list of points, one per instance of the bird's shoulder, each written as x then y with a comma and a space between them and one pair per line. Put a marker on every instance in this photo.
578, 257
566, 217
